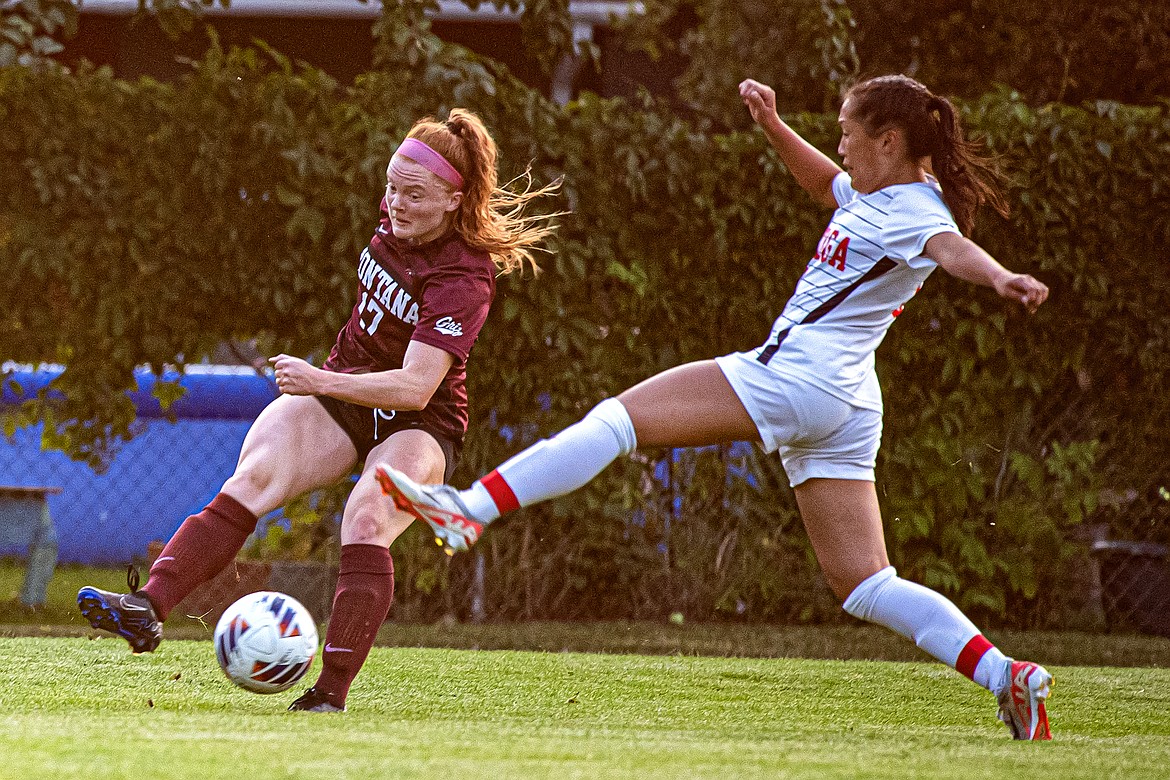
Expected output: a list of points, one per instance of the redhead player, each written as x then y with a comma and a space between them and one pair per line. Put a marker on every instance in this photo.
392, 391
810, 391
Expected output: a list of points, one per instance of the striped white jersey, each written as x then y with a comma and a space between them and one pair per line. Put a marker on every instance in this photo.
868, 264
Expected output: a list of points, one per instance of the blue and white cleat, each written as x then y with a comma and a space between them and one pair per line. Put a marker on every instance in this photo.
439, 506
129, 615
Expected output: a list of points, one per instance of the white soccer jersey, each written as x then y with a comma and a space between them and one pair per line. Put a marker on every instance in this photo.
868, 264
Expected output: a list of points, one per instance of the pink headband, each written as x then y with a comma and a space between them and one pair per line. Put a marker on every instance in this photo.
434, 162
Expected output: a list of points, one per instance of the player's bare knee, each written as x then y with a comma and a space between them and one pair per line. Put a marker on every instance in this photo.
362, 528
841, 588
862, 595
845, 583
366, 523
259, 483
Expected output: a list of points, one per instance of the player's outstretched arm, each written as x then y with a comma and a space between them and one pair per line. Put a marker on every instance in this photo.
813, 171
964, 259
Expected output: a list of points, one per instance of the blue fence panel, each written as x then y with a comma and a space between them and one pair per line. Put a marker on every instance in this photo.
166, 472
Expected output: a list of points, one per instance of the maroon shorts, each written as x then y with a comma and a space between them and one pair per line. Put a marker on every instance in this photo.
367, 428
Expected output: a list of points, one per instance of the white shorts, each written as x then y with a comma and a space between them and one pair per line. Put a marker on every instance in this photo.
816, 433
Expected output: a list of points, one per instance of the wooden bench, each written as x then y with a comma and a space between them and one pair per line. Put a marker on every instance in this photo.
25, 522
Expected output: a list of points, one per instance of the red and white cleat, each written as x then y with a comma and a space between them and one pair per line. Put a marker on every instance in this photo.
438, 506
1021, 702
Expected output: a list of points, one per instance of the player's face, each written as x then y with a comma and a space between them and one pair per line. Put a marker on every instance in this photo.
421, 205
865, 157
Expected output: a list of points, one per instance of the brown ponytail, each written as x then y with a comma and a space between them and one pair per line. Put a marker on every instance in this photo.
490, 218
967, 177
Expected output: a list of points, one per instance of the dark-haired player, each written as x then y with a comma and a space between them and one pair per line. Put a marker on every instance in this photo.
810, 390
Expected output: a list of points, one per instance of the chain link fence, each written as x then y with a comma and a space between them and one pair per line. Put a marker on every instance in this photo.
121, 514
1118, 580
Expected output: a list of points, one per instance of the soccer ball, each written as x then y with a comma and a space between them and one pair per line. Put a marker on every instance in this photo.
265, 642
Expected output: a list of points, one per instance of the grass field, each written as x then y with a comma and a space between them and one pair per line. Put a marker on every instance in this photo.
76, 707
541, 700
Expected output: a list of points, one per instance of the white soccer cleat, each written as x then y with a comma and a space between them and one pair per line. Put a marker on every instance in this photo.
1021, 702
438, 506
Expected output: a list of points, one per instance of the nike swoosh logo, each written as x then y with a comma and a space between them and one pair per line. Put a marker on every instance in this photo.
331, 649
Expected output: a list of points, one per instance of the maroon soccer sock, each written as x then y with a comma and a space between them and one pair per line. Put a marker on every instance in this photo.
365, 588
202, 547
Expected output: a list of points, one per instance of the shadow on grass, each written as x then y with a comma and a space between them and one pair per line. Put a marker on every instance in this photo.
845, 641
849, 642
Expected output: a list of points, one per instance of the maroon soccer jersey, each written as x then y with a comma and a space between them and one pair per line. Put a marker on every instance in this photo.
438, 293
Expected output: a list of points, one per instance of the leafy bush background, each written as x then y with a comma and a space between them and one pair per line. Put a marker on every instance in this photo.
143, 223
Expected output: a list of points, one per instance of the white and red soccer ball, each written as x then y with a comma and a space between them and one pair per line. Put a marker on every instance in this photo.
265, 642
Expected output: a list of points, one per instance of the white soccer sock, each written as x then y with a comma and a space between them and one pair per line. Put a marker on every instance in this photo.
992, 672
555, 466
930, 620
479, 502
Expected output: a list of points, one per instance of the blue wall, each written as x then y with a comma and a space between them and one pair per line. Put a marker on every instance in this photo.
172, 469
166, 472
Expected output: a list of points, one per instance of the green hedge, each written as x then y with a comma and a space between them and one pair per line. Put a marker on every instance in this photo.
143, 223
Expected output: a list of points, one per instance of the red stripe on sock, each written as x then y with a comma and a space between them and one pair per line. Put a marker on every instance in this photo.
500, 492
970, 655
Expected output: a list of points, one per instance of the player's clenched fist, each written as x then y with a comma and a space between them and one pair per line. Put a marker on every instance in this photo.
759, 98
294, 376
